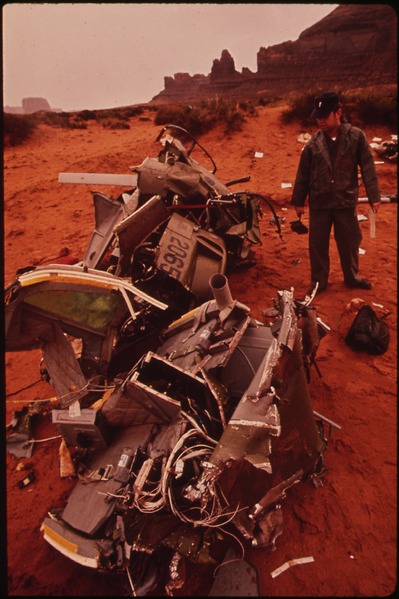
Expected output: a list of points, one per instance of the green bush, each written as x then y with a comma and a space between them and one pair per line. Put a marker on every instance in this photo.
17, 128
200, 118
77, 123
114, 123
191, 118
115, 114
131, 111
54, 119
234, 121
377, 108
87, 115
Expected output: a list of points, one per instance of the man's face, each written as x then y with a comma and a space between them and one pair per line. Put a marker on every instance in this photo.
331, 122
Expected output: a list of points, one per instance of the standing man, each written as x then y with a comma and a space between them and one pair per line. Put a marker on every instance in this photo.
328, 176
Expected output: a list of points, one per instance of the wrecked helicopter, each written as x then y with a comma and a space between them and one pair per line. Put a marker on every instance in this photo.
186, 419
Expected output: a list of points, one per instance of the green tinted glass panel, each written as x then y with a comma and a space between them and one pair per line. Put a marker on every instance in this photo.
81, 307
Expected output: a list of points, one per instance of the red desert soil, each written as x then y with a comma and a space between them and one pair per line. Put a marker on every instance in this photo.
349, 524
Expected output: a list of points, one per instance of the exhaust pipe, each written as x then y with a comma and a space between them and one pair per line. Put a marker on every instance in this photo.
221, 291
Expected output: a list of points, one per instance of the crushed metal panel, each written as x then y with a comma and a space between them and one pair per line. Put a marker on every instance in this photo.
136, 403
155, 392
155, 407
136, 227
63, 368
107, 214
69, 543
300, 444
253, 421
90, 504
288, 327
274, 495
246, 359
187, 348
158, 178
191, 256
169, 388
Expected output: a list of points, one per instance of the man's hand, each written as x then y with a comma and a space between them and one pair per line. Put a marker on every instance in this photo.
299, 211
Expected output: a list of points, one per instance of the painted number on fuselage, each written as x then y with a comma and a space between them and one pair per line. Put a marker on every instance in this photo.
176, 252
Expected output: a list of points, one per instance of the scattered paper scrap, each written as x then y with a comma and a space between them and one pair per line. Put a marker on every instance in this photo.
285, 185
361, 217
378, 162
258, 154
291, 562
377, 138
362, 251
74, 409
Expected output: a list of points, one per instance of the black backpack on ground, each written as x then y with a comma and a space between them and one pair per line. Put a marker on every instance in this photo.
368, 332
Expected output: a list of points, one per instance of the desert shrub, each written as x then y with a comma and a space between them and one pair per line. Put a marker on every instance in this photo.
228, 112
87, 115
377, 108
64, 120
234, 121
17, 128
263, 101
200, 118
248, 106
114, 114
75, 122
54, 119
193, 118
112, 123
131, 111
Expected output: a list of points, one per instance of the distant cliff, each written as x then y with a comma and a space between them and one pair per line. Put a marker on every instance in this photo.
31, 105
354, 46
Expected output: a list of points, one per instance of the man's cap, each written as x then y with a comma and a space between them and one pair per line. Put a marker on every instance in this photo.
324, 104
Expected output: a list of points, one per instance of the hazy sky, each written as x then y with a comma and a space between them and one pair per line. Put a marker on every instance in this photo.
101, 55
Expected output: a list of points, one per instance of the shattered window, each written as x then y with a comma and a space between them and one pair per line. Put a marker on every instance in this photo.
81, 307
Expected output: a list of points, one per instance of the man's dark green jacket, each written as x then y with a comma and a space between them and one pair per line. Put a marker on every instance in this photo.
335, 186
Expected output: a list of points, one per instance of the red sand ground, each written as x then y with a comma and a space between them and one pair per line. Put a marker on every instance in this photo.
349, 524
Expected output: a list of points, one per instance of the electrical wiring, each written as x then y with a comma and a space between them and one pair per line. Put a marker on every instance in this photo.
166, 480
143, 499
42, 440
217, 516
197, 427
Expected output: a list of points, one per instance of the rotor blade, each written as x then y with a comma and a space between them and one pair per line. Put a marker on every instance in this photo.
98, 179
